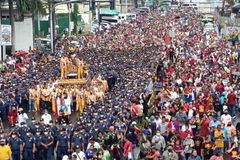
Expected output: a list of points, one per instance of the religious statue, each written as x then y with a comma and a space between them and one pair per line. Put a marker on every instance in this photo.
71, 66
64, 67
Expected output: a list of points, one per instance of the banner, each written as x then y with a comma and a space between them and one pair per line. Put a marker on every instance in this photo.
6, 35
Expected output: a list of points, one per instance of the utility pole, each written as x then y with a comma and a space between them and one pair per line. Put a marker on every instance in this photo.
98, 14
54, 26
69, 18
38, 23
91, 6
51, 27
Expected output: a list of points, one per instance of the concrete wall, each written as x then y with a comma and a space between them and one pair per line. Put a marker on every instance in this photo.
24, 34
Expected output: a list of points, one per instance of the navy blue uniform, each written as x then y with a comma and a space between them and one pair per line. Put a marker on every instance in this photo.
22, 132
29, 143
62, 149
55, 132
48, 149
15, 144
77, 140
85, 140
38, 153
32, 128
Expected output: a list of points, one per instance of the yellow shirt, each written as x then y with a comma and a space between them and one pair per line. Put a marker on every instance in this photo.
219, 139
5, 152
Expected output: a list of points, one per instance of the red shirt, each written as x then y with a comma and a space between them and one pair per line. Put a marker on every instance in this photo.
185, 134
127, 148
170, 70
134, 110
167, 39
219, 88
231, 99
204, 129
154, 155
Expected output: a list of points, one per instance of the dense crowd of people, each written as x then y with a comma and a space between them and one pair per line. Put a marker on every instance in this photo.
170, 96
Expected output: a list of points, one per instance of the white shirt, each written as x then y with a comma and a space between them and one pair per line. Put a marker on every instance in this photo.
158, 122
190, 113
226, 118
46, 118
96, 145
179, 81
173, 95
80, 156
65, 157
22, 118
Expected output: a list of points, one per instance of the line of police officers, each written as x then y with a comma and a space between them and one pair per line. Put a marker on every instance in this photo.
37, 141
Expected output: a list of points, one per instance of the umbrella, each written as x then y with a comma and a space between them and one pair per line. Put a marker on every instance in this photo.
21, 53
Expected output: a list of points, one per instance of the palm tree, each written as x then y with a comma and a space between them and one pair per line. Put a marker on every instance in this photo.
23, 7
75, 13
11, 18
37, 8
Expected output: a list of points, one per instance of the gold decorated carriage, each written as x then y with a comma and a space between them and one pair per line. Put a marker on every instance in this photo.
73, 71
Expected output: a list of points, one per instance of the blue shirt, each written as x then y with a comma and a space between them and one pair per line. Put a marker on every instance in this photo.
149, 87
63, 140
221, 99
46, 139
214, 124
225, 131
15, 144
29, 141
77, 140
194, 158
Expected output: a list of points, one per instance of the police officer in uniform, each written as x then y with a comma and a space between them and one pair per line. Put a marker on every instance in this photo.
32, 126
28, 146
16, 145
47, 145
39, 127
55, 132
22, 130
38, 138
85, 138
77, 140
63, 144
77, 124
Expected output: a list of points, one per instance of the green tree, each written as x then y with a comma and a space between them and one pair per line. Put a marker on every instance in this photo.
37, 8
74, 18
12, 20
24, 7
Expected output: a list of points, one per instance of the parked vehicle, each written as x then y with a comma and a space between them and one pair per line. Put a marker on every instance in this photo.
42, 43
208, 18
208, 27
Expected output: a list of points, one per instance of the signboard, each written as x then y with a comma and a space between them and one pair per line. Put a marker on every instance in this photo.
6, 35
108, 11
